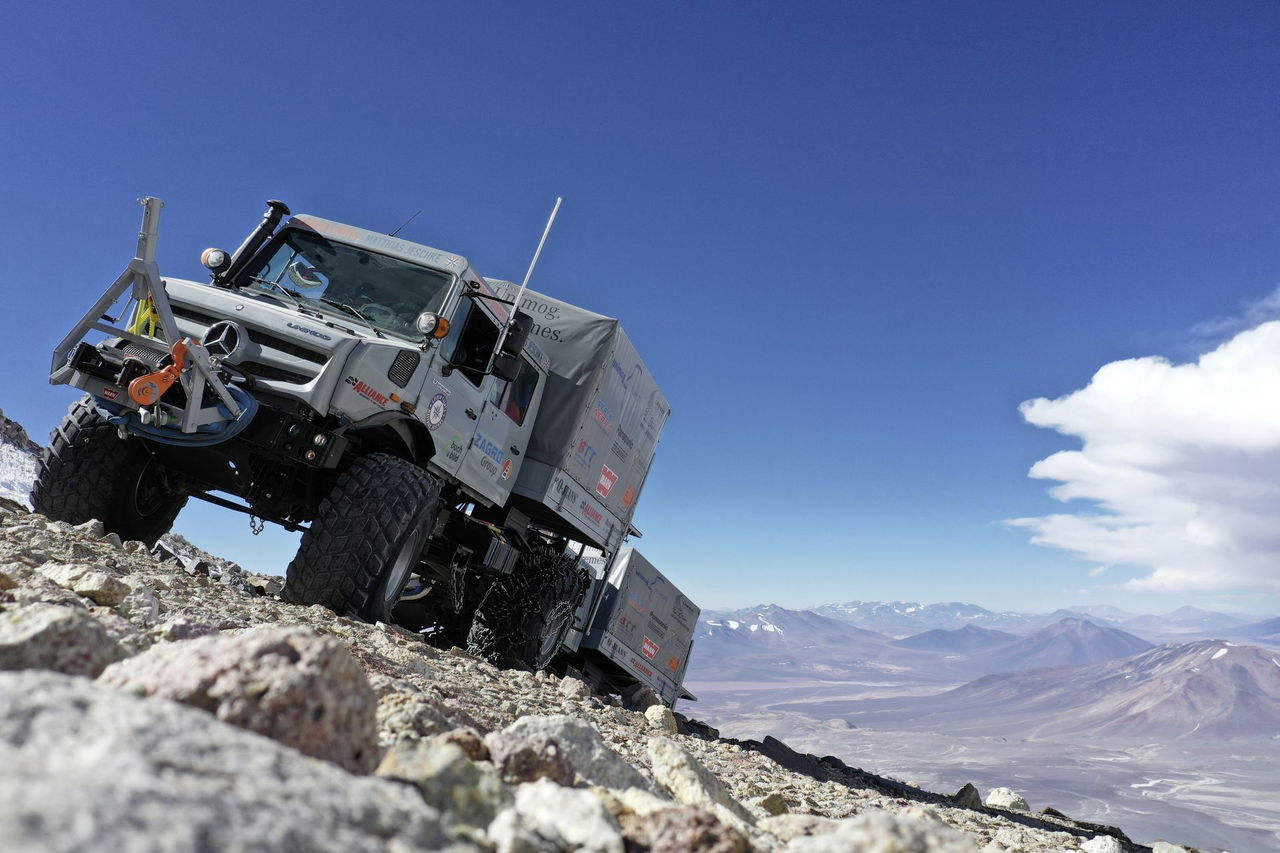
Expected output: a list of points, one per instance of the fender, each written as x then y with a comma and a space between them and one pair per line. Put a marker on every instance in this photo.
395, 433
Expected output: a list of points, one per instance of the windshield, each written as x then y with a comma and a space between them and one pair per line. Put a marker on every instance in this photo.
326, 277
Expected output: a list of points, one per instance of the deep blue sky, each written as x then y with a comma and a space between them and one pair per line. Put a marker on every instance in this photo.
848, 238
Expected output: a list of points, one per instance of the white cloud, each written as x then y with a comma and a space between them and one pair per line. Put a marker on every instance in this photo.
1181, 463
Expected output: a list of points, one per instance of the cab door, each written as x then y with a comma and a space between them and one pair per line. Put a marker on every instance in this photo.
507, 421
481, 423
454, 402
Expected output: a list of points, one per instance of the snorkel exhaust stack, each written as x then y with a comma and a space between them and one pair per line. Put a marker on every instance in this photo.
276, 211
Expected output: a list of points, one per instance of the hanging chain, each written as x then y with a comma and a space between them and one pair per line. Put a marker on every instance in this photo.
256, 524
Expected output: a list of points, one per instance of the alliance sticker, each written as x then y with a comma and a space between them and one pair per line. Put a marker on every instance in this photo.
436, 410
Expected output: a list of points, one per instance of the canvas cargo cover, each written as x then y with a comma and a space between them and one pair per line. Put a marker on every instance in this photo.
601, 416
645, 625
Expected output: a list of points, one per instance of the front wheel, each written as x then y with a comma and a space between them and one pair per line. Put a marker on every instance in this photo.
88, 471
366, 538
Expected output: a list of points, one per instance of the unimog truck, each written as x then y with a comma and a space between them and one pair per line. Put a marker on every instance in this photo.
462, 455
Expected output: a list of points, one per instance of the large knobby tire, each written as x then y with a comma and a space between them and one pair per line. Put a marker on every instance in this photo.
88, 471
366, 538
525, 615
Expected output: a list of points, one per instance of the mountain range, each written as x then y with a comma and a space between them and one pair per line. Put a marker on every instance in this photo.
1204, 690
903, 619
1072, 676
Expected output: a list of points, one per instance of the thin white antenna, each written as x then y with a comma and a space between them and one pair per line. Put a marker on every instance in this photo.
515, 305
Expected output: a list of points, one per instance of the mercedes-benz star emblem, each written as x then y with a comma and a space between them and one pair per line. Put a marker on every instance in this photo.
222, 339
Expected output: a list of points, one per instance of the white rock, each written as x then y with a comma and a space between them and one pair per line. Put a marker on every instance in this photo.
1166, 847
1007, 798
689, 782
881, 832
1102, 844
661, 718
568, 816
156, 775
574, 688
580, 742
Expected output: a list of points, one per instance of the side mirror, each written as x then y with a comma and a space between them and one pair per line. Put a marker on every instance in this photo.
517, 334
506, 367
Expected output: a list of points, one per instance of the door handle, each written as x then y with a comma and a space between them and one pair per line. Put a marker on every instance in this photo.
471, 413
515, 451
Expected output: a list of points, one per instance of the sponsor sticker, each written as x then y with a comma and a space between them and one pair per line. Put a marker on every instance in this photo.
606, 482
625, 376
455, 450
649, 648
586, 452
629, 496
488, 448
110, 393
445, 388
673, 663
639, 667
364, 389
436, 410
565, 491
506, 470
592, 514
604, 415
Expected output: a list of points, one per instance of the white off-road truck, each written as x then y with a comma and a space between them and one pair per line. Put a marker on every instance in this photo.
462, 455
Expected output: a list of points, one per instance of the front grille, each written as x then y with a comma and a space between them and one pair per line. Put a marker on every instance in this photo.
401, 370
263, 339
279, 374
193, 315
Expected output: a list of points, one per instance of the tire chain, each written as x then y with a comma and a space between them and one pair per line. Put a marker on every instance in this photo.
504, 621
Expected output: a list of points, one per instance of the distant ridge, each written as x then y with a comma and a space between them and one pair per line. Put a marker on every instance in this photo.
964, 640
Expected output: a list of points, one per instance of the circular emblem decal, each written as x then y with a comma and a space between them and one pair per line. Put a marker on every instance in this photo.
436, 410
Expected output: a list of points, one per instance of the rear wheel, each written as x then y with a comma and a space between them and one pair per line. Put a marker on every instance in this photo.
88, 471
525, 616
366, 538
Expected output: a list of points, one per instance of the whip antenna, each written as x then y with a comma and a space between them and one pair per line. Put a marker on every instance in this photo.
515, 305
406, 222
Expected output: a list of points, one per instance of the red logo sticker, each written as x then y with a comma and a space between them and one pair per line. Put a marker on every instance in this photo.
110, 393
649, 648
606, 482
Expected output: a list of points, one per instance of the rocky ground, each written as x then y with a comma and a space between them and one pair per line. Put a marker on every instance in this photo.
179, 705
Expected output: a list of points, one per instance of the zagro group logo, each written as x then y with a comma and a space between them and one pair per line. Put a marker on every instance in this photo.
488, 448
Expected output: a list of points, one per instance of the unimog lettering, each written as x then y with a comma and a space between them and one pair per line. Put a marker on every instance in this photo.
312, 332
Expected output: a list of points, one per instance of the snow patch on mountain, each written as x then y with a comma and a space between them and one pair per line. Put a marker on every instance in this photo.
19, 461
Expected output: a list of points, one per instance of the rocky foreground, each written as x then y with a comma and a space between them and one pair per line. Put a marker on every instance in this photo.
179, 705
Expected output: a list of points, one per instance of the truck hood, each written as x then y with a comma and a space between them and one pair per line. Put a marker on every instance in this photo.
285, 351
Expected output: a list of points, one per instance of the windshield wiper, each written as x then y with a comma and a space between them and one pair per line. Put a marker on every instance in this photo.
345, 307
289, 294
